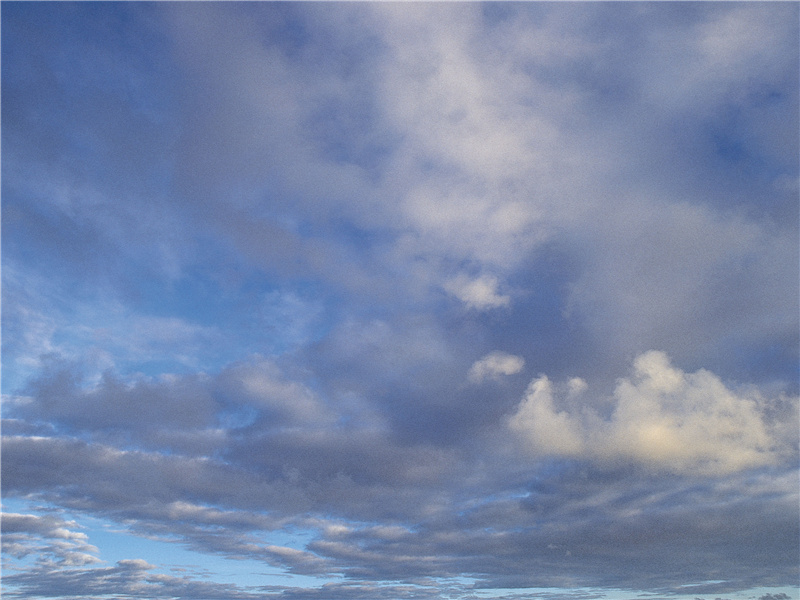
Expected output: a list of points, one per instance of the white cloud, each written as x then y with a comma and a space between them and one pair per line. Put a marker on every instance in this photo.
444, 96
495, 364
685, 422
577, 386
480, 293
723, 55
663, 418
544, 429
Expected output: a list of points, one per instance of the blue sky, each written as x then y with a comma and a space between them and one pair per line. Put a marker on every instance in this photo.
366, 300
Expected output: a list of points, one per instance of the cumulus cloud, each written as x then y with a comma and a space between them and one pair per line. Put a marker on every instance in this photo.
663, 418
544, 429
688, 422
494, 365
480, 293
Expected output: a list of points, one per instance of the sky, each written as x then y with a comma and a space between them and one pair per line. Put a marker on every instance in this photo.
365, 301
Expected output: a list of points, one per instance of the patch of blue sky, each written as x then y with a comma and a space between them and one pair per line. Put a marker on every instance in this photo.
171, 555
180, 326
89, 34
266, 316
73, 89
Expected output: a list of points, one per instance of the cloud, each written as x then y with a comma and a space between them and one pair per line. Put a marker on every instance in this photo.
688, 422
662, 418
495, 364
480, 293
252, 251
692, 270
261, 384
546, 430
728, 55
133, 578
175, 412
52, 540
368, 526
523, 540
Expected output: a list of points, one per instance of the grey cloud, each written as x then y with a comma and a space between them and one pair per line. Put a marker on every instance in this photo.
695, 271
289, 225
176, 412
566, 518
135, 578
469, 506
347, 591
566, 549
130, 578
104, 479
55, 542
656, 311
261, 384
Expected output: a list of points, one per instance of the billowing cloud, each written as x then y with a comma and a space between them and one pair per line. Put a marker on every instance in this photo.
778, 596
663, 418
546, 430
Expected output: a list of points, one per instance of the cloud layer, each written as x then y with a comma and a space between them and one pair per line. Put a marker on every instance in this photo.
466, 300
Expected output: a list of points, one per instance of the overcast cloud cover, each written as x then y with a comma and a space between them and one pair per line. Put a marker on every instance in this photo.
364, 301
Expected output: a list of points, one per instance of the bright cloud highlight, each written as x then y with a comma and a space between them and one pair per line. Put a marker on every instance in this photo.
663, 418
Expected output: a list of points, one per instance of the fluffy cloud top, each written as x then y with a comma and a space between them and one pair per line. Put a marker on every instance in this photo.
663, 418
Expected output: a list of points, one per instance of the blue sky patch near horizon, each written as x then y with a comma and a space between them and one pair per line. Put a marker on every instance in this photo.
368, 300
